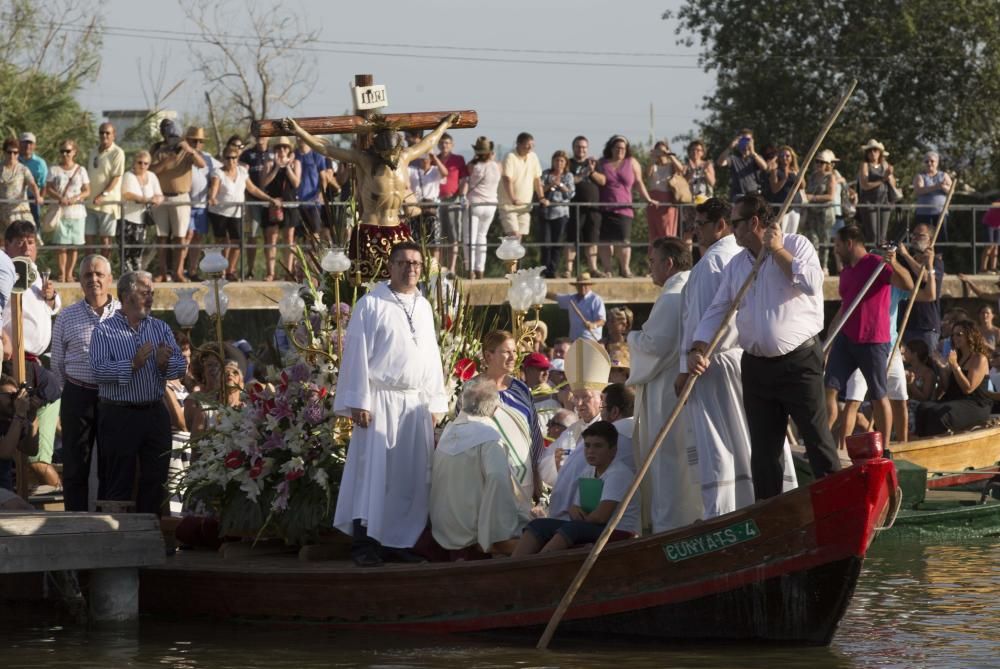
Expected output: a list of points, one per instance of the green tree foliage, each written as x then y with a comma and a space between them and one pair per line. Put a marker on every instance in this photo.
928, 73
51, 49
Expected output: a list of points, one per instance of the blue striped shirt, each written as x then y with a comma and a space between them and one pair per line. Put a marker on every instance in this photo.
518, 396
113, 345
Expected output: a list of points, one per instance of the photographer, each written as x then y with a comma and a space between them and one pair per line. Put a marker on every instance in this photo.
19, 432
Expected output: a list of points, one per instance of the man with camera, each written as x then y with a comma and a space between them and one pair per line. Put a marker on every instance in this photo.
745, 165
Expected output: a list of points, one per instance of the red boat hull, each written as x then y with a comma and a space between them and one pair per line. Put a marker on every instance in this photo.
782, 570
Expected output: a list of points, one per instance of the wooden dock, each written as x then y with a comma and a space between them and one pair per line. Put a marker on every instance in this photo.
111, 546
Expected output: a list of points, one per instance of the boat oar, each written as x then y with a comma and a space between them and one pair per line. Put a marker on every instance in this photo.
842, 320
602, 541
920, 276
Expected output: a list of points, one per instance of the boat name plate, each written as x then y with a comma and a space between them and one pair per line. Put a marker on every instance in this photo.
744, 530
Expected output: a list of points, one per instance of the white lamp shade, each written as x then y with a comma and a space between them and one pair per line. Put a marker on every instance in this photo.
210, 308
291, 307
335, 261
213, 262
510, 249
186, 308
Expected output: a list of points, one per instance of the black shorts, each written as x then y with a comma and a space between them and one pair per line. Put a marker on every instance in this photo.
225, 226
588, 221
615, 227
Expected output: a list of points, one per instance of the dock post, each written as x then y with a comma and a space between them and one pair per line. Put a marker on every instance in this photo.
114, 594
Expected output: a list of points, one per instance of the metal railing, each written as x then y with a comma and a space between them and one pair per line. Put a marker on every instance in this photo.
962, 230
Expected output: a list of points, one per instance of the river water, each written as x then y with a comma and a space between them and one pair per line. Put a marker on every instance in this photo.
916, 605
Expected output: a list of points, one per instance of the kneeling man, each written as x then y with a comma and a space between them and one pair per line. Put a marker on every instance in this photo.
613, 477
474, 496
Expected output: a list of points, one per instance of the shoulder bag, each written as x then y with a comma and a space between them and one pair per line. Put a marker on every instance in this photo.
680, 188
50, 221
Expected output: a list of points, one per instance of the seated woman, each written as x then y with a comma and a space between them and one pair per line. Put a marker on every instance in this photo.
964, 402
200, 407
600, 442
20, 433
516, 418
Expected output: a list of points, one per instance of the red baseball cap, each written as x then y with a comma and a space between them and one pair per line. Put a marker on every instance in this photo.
535, 360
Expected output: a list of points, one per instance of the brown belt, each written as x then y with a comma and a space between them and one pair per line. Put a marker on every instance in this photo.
88, 386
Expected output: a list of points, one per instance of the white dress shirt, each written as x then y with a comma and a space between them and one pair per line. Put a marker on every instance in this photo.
776, 315
36, 315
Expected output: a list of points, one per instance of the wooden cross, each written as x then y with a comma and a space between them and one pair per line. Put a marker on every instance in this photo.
359, 122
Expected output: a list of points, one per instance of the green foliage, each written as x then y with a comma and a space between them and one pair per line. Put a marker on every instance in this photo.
52, 49
928, 74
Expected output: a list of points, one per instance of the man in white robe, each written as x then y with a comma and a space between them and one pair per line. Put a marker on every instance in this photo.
475, 499
669, 492
391, 385
715, 407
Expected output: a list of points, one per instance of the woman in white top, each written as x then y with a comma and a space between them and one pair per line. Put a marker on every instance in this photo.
69, 184
484, 179
140, 192
226, 195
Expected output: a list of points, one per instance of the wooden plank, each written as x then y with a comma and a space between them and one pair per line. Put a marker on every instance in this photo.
54, 523
333, 125
89, 550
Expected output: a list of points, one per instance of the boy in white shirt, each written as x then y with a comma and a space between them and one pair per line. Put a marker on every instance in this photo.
543, 535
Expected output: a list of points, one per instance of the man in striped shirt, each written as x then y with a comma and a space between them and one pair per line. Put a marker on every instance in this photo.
133, 356
79, 410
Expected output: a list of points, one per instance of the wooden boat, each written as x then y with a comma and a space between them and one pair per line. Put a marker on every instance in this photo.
782, 570
946, 515
974, 449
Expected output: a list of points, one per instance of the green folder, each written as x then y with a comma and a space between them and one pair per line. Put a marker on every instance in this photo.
590, 493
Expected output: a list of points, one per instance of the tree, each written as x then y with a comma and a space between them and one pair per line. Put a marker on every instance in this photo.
251, 74
52, 49
928, 74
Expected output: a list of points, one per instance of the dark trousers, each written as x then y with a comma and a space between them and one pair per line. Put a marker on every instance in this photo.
78, 414
7, 474
552, 232
775, 389
130, 437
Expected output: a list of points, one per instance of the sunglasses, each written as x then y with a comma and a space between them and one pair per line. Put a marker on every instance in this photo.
13, 152
232, 157
65, 150
140, 162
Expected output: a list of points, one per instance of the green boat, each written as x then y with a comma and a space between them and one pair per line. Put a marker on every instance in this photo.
930, 514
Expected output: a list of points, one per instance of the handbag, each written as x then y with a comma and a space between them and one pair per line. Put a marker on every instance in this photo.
275, 214
847, 208
680, 188
894, 194
50, 221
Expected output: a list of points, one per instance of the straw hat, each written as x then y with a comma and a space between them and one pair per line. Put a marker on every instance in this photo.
827, 156
875, 144
194, 132
584, 280
482, 146
587, 365
282, 141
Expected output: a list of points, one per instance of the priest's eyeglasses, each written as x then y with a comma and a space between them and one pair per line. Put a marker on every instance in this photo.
415, 264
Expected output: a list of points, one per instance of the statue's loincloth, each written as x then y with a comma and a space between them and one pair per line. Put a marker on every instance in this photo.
370, 247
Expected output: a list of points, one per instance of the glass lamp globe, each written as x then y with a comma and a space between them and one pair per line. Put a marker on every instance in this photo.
213, 262
186, 308
292, 307
510, 249
210, 297
335, 261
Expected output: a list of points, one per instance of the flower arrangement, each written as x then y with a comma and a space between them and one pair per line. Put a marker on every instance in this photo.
273, 465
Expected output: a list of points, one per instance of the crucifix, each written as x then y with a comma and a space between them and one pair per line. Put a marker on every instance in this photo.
381, 167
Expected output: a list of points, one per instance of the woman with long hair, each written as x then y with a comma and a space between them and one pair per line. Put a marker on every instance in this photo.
782, 174
963, 402
69, 185
989, 332
875, 177
558, 188
282, 177
618, 173
663, 164
820, 189
14, 179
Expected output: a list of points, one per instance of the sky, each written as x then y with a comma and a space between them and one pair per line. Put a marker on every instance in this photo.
585, 67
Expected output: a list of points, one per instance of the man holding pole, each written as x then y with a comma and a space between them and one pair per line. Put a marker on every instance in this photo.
864, 341
778, 322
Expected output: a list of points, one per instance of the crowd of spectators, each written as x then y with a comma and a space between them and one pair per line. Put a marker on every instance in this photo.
184, 196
